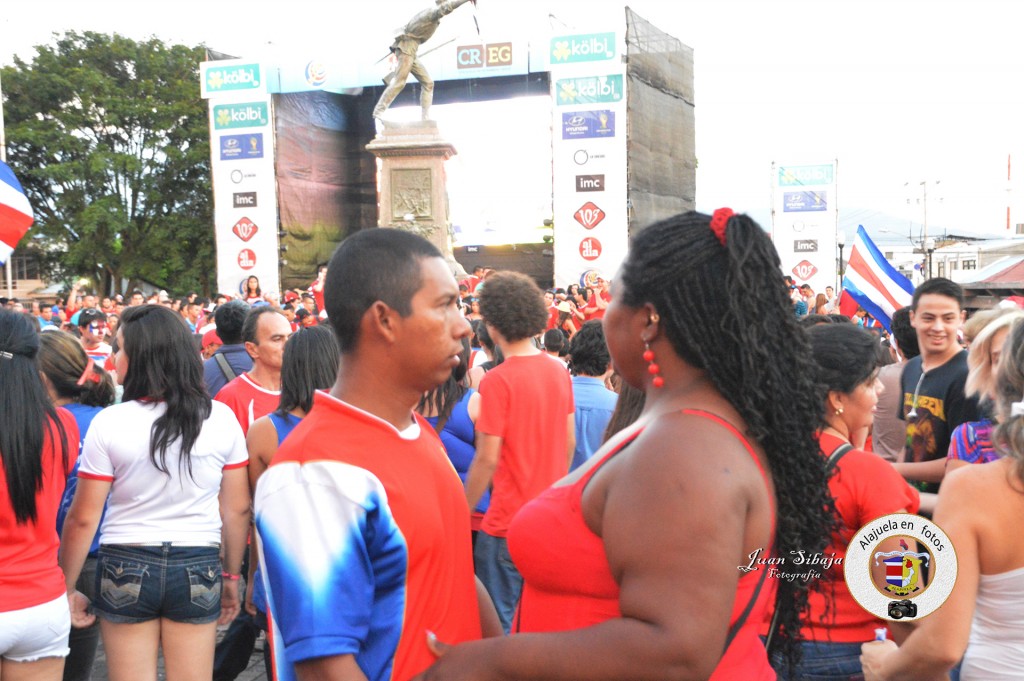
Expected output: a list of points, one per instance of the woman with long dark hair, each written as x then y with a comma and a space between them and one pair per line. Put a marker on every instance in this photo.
173, 465
76, 383
38, 446
252, 292
452, 408
864, 485
630, 562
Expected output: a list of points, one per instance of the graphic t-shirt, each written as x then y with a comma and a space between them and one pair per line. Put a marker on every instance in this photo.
364, 544
933, 405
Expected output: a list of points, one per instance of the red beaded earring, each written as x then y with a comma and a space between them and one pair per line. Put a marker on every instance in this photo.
652, 368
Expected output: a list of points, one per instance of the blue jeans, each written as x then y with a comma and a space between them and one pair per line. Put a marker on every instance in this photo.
142, 583
825, 662
499, 575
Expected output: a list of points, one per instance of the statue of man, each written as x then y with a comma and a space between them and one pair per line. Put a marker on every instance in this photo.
419, 29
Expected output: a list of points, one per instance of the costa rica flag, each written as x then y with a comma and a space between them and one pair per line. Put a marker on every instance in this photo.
873, 283
15, 212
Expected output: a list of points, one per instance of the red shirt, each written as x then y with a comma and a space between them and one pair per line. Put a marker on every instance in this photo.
525, 401
592, 311
248, 399
29, 574
865, 486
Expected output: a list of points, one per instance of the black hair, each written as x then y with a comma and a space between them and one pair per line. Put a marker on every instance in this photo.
588, 351
27, 418
554, 339
378, 264
815, 319
229, 318
310, 363
512, 303
846, 355
163, 365
939, 286
726, 310
252, 321
245, 287
904, 333
442, 399
837, 317
64, 363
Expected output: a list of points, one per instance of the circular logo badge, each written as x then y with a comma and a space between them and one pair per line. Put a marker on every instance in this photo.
900, 566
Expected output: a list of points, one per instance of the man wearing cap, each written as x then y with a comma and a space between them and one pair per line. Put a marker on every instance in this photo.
92, 324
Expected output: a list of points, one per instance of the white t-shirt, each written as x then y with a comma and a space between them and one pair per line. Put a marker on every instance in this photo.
146, 505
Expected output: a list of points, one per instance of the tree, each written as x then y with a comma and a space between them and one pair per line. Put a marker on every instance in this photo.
110, 140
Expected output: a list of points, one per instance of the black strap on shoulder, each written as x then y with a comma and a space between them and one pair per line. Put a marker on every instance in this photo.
833, 459
735, 628
225, 368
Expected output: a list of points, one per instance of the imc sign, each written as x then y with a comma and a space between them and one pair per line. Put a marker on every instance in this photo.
583, 124
589, 90
802, 176
803, 202
805, 246
246, 115
590, 183
244, 200
238, 147
240, 77
568, 49
480, 56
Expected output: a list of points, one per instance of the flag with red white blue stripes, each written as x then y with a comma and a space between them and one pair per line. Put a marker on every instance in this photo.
15, 212
875, 284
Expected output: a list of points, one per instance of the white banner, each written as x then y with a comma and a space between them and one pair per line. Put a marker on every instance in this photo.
244, 188
588, 83
805, 217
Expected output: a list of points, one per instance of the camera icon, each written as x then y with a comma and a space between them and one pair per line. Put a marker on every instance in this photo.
900, 609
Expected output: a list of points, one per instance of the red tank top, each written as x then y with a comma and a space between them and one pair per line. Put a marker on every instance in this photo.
568, 584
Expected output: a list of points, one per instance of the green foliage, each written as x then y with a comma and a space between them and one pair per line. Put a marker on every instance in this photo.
110, 141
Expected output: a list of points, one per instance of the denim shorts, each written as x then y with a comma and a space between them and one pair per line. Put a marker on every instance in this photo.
142, 583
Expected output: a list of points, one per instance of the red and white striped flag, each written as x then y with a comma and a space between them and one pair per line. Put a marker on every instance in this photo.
15, 212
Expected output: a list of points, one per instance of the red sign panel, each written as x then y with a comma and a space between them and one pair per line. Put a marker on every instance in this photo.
589, 215
804, 270
246, 259
590, 248
245, 229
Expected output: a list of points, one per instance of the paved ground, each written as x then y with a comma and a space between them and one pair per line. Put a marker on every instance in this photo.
254, 672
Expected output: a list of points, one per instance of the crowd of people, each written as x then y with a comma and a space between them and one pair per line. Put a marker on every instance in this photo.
395, 474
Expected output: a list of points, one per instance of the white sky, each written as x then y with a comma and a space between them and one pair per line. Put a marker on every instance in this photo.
897, 90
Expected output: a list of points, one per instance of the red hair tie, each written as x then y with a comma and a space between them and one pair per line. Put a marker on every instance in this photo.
719, 220
85, 374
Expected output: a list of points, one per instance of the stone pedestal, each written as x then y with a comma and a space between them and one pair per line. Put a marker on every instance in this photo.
413, 192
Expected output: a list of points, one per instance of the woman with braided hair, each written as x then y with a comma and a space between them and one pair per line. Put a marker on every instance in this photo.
630, 562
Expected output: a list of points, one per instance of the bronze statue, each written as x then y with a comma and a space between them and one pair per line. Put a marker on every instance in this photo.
419, 29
